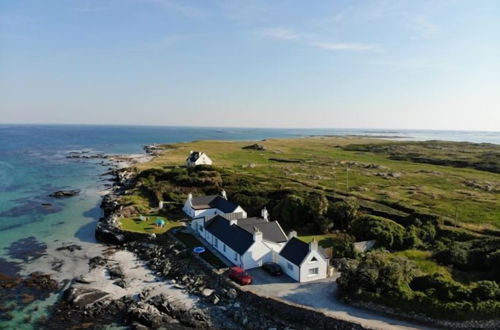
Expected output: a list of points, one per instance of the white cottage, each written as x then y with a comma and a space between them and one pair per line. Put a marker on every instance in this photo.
205, 206
198, 158
302, 261
247, 242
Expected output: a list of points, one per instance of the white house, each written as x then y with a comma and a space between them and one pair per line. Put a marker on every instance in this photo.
198, 158
302, 261
205, 206
246, 242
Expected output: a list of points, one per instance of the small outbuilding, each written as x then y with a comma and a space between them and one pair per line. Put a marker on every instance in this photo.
303, 261
198, 158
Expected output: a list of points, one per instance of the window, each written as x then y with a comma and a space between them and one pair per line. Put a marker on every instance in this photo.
313, 259
200, 227
216, 242
313, 271
290, 266
235, 256
224, 247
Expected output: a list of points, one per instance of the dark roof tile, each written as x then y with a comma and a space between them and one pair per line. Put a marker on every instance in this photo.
213, 202
295, 251
233, 236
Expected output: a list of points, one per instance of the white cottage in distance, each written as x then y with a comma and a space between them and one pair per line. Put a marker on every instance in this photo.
197, 158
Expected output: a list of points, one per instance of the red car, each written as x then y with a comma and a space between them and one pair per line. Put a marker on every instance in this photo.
240, 276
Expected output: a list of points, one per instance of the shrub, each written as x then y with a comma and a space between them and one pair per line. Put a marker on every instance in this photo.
343, 213
387, 233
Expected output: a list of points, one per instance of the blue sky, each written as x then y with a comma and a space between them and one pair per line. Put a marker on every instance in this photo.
339, 64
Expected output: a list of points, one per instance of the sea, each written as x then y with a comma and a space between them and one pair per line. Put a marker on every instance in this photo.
34, 163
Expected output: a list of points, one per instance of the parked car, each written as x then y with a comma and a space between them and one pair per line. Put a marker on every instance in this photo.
272, 268
240, 276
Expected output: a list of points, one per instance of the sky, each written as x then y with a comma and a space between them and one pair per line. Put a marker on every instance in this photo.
252, 63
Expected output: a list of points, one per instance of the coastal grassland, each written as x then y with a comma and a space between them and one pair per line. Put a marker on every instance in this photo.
435, 226
424, 262
481, 156
333, 165
135, 224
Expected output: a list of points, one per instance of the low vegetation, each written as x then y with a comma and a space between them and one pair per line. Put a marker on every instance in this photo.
435, 224
483, 156
397, 282
148, 225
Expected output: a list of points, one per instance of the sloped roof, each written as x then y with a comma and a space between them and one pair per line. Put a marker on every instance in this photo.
296, 250
193, 157
233, 236
271, 231
213, 202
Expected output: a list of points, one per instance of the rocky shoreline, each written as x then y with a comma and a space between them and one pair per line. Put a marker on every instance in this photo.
186, 291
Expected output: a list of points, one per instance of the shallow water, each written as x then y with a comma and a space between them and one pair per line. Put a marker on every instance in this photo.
33, 164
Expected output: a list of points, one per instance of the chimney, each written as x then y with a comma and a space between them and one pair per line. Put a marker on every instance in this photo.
190, 199
264, 214
223, 194
313, 246
257, 235
292, 234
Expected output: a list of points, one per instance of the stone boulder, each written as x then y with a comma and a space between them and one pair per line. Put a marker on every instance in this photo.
65, 193
81, 298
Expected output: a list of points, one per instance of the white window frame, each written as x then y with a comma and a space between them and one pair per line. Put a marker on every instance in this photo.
313, 271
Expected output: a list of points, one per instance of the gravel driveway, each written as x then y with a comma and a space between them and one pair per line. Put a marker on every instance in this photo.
321, 295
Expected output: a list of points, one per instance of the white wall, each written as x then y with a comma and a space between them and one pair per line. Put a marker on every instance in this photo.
202, 160
239, 209
307, 264
286, 265
257, 255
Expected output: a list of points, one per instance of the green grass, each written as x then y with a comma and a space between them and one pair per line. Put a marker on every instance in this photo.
427, 188
323, 240
192, 242
424, 262
148, 226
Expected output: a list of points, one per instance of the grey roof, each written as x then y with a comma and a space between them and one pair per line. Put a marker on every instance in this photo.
233, 236
296, 250
271, 231
239, 235
213, 202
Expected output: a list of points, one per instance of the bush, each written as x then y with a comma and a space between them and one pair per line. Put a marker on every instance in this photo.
343, 213
387, 233
379, 272
485, 290
342, 246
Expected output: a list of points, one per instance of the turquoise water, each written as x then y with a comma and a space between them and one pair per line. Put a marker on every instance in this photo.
33, 164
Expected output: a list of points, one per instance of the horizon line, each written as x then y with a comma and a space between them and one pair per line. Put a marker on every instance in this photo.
250, 127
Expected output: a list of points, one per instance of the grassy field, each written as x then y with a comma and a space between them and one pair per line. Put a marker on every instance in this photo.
468, 195
136, 225
424, 262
